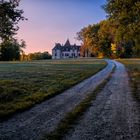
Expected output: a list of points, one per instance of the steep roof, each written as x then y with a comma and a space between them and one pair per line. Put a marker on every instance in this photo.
66, 47
57, 46
67, 43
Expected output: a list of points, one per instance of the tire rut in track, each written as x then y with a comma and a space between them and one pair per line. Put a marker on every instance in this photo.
114, 115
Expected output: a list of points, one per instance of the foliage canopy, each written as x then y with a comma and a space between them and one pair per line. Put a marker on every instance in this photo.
118, 35
10, 48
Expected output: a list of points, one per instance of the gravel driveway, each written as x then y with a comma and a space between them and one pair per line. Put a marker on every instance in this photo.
43, 118
114, 115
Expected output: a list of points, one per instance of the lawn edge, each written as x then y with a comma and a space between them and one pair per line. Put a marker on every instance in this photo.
134, 86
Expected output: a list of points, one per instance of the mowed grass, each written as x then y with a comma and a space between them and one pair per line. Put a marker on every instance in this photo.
24, 84
133, 66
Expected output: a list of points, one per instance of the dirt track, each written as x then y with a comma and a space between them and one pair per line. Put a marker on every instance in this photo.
43, 118
114, 115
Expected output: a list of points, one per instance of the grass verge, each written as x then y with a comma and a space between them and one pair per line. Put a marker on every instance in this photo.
67, 123
25, 84
133, 68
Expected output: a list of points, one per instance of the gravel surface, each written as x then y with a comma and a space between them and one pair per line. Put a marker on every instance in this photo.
43, 118
114, 115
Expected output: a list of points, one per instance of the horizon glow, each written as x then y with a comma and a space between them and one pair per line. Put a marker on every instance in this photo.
54, 21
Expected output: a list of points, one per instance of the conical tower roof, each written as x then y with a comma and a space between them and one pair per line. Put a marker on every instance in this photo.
67, 43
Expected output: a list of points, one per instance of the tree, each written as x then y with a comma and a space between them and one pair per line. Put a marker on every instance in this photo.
89, 38
118, 35
39, 56
11, 50
46, 55
9, 18
97, 38
126, 14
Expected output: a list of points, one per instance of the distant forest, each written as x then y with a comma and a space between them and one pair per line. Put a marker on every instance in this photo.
116, 37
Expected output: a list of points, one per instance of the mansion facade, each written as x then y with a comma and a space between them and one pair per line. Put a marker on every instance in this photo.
65, 51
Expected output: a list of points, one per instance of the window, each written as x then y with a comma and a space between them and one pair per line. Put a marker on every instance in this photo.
66, 54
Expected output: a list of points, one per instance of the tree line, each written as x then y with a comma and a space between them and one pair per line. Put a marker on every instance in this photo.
35, 56
116, 37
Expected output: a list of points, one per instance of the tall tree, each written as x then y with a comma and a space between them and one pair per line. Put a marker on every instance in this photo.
9, 18
126, 13
10, 15
97, 38
106, 37
11, 50
89, 38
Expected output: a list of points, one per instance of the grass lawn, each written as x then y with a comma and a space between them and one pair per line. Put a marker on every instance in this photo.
133, 66
24, 84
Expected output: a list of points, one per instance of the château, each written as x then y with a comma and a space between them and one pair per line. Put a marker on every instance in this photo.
65, 51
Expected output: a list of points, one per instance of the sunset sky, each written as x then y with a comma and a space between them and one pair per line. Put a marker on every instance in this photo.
53, 21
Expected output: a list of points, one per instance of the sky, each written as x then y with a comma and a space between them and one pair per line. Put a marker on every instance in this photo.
55, 21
